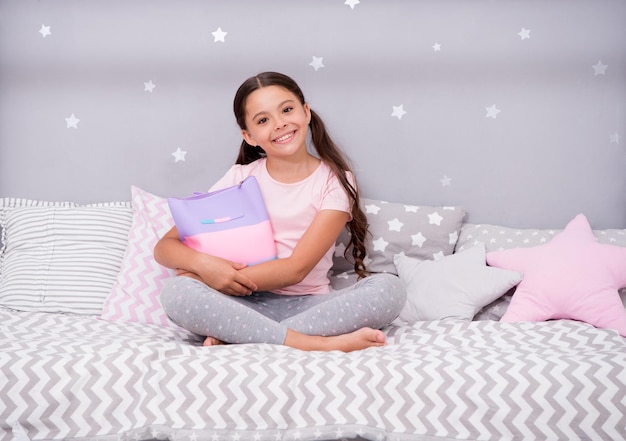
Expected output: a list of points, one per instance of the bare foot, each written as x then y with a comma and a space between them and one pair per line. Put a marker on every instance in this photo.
212, 341
360, 339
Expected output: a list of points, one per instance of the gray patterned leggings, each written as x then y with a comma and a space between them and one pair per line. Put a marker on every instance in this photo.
264, 317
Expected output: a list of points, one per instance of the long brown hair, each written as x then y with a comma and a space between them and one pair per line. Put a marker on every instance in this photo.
326, 149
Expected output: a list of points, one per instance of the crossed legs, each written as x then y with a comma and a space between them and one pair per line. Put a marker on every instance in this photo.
345, 320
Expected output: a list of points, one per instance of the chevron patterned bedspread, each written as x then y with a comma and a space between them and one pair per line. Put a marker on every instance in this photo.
68, 377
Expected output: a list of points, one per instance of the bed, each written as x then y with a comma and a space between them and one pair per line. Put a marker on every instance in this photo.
478, 130
87, 352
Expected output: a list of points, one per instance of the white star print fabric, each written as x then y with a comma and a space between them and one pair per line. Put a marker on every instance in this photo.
422, 232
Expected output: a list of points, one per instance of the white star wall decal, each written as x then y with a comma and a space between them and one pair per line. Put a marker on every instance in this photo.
446, 181
411, 208
524, 33
352, 3
614, 138
599, 68
179, 155
436, 47
72, 121
492, 112
149, 86
317, 63
219, 35
398, 111
45, 31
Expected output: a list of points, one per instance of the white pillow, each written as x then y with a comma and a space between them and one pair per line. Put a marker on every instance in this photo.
60, 257
457, 286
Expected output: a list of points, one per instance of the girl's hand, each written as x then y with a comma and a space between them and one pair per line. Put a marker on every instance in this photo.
319, 237
222, 275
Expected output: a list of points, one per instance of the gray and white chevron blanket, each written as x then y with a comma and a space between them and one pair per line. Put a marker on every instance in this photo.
69, 377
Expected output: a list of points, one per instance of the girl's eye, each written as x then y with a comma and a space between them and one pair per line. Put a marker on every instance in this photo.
262, 121
287, 109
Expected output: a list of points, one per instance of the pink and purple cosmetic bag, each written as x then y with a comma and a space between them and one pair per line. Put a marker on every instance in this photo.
231, 223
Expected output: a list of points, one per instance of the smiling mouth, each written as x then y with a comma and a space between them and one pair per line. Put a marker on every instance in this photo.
285, 137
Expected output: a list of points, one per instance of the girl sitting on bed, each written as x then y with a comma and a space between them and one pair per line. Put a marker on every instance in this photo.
310, 199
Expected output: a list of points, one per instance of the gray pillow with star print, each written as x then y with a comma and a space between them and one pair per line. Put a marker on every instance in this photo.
498, 238
417, 231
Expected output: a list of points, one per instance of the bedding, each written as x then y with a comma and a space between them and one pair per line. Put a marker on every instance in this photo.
73, 370
498, 238
77, 377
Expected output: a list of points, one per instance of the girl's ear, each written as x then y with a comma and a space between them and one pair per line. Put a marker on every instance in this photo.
248, 138
307, 110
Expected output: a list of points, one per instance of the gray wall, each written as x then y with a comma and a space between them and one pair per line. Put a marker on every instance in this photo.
556, 148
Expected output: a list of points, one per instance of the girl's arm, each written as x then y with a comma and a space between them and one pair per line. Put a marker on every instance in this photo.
220, 274
318, 238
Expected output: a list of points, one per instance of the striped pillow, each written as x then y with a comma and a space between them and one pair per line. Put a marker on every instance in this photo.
60, 256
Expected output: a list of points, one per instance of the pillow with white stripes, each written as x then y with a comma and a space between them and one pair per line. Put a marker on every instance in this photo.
136, 294
60, 256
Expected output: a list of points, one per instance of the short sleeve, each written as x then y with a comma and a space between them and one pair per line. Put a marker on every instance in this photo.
335, 196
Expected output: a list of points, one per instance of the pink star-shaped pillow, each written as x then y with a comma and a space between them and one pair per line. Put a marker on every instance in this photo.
571, 277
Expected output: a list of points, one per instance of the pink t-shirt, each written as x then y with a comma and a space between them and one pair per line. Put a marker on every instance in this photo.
292, 208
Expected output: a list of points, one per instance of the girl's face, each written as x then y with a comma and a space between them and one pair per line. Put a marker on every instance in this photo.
276, 121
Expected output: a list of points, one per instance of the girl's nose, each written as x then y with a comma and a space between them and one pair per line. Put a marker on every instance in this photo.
280, 123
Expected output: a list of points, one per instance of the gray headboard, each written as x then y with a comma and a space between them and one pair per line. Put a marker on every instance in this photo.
514, 110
